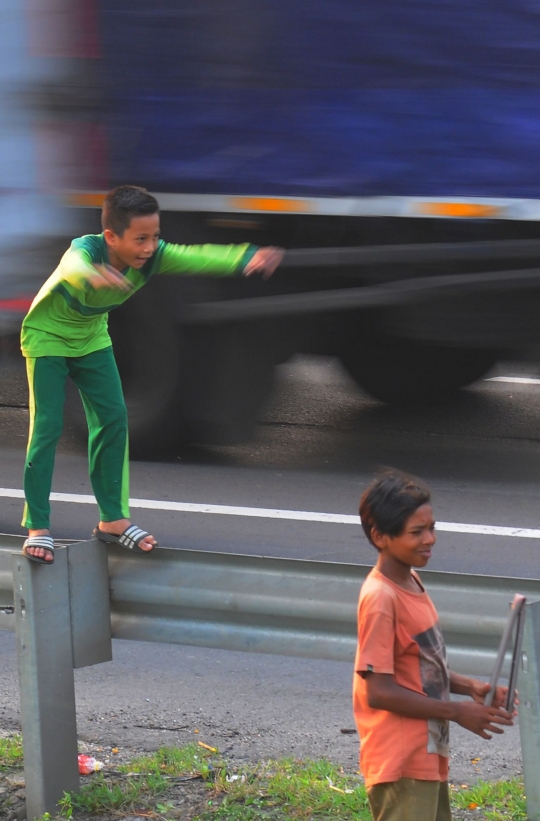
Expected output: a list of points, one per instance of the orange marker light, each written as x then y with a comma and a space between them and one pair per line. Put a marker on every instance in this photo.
270, 204
86, 200
459, 210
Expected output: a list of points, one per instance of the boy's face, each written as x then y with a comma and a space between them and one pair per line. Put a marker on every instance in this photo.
136, 245
413, 546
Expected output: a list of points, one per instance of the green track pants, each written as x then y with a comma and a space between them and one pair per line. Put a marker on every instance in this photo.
96, 376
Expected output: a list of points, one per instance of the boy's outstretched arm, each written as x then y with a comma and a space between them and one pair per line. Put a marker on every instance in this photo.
218, 260
383, 693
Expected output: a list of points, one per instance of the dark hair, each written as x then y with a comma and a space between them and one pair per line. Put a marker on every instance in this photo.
123, 203
390, 499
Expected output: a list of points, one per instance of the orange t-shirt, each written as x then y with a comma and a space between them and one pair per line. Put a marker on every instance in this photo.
399, 633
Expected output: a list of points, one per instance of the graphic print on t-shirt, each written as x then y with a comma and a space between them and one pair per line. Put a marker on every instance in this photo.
435, 684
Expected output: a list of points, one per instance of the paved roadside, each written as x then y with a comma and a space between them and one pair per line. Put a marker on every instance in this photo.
250, 706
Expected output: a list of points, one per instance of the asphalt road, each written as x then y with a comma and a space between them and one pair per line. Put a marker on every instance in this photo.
250, 706
319, 442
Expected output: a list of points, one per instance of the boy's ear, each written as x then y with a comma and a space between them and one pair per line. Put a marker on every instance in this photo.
379, 539
109, 235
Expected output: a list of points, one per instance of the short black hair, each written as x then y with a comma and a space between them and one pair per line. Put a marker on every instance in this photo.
123, 203
391, 499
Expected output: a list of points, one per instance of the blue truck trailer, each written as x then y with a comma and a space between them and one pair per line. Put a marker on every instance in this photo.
392, 148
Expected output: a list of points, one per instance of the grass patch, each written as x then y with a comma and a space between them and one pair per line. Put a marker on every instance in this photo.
207, 789
288, 789
135, 785
104, 795
11, 753
173, 761
498, 800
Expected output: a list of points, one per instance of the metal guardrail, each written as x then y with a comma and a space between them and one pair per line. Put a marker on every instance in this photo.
63, 617
284, 606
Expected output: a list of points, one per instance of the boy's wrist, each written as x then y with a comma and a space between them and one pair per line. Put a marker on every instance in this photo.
249, 253
470, 687
453, 710
461, 685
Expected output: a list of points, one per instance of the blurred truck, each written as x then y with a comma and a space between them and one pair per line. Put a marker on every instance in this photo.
32, 216
392, 148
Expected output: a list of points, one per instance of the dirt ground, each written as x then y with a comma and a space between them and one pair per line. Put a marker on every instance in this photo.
251, 707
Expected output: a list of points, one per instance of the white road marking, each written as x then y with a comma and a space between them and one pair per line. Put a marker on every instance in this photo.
514, 380
270, 513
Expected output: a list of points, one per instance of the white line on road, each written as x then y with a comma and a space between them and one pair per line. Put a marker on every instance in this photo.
514, 380
269, 513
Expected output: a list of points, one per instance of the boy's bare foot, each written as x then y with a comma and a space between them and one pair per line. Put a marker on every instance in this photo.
40, 552
119, 526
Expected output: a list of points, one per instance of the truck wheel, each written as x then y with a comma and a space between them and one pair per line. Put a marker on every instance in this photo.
192, 384
228, 373
404, 372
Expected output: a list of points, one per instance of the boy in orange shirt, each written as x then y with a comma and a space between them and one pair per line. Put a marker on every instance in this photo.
402, 684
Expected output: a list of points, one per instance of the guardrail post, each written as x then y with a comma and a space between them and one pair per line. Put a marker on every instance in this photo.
62, 621
89, 603
529, 708
48, 718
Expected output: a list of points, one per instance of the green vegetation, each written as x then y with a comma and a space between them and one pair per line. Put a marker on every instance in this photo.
288, 789
273, 789
192, 759
498, 800
194, 783
11, 753
136, 784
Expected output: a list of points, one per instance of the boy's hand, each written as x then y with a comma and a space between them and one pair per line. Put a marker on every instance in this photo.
480, 689
109, 277
264, 261
481, 720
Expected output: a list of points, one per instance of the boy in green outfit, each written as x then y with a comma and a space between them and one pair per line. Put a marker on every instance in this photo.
65, 334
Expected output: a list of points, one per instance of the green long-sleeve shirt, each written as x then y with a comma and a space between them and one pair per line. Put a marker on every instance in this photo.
68, 317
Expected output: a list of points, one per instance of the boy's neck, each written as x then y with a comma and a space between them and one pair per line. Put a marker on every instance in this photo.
396, 571
114, 259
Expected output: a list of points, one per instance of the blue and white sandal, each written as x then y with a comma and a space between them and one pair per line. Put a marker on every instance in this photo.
131, 538
46, 542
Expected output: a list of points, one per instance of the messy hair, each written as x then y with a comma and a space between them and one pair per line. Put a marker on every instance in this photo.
123, 203
390, 499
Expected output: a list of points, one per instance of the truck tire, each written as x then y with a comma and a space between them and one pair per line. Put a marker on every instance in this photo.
227, 376
404, 372
192, 384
